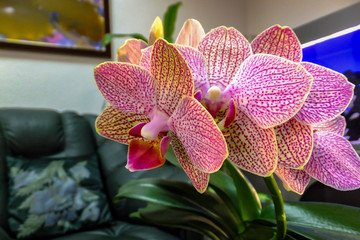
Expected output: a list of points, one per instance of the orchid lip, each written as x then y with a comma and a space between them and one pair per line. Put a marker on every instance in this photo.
158, 124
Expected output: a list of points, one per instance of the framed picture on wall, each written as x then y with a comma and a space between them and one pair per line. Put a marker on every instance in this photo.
68, 26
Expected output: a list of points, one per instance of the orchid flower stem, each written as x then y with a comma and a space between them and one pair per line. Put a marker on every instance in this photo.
279, 206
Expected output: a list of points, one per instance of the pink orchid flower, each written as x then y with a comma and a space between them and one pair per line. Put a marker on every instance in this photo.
329, 96
333, 161
147, 104
267, 91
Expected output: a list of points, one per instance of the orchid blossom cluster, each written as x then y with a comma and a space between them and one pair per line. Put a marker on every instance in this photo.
215, 96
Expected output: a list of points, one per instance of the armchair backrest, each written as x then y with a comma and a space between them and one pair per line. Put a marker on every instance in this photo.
32, 133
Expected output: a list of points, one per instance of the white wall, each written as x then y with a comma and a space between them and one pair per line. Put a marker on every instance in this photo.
261, 14
66, 83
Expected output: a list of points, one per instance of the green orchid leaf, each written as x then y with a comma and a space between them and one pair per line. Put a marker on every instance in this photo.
265, 198
224, 187
170, 20
249, 202
109, 37
319, 220
182, 196
171, 217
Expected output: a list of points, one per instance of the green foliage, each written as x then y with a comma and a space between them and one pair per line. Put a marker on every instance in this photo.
182, 199
231, 209
170, 20
109, 37
319, 220
220, 214
248, 200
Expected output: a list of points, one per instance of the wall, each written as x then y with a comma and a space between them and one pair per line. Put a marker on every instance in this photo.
261, 14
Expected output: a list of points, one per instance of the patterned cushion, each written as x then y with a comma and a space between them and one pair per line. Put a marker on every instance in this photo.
50, 197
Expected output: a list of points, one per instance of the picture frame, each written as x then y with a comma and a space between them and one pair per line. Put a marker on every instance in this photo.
74, 27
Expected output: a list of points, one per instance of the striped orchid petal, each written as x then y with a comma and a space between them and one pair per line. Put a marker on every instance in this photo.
201, 138
156, 31
191, 33
145, 57
144, 155
330, 94
336, 125
113, 124
126, 87
295, 143
131, 51
197, 65
334, 162
199, 179
251, 147
270, 89
294, 180
173, 76
224, 50
279, 41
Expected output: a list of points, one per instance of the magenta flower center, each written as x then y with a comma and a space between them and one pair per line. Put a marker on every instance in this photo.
215, 99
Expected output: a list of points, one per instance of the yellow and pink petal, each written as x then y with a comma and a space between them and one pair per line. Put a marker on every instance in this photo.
115, 125
294, 180
334, 162
330, 94
199, 134
173, 76
145, 58
156, 31
191, 33
270, 89
279, 41
199, 179
131, 51
224, 50
127, 87
295, 143
196, 62
251, 148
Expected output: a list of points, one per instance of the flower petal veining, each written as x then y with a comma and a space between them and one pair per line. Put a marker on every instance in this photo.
114, 124
199, 179
131, 51
270, 89
224, 50
191, 33
200, 136
126, 87
295, 143
329, 96
334, 162
293, 179
251, 147
173, 76
279, 41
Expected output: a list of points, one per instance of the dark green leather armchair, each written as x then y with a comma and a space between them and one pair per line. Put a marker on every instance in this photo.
38, 133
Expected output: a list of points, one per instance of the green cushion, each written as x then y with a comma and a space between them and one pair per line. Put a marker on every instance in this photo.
50, 197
